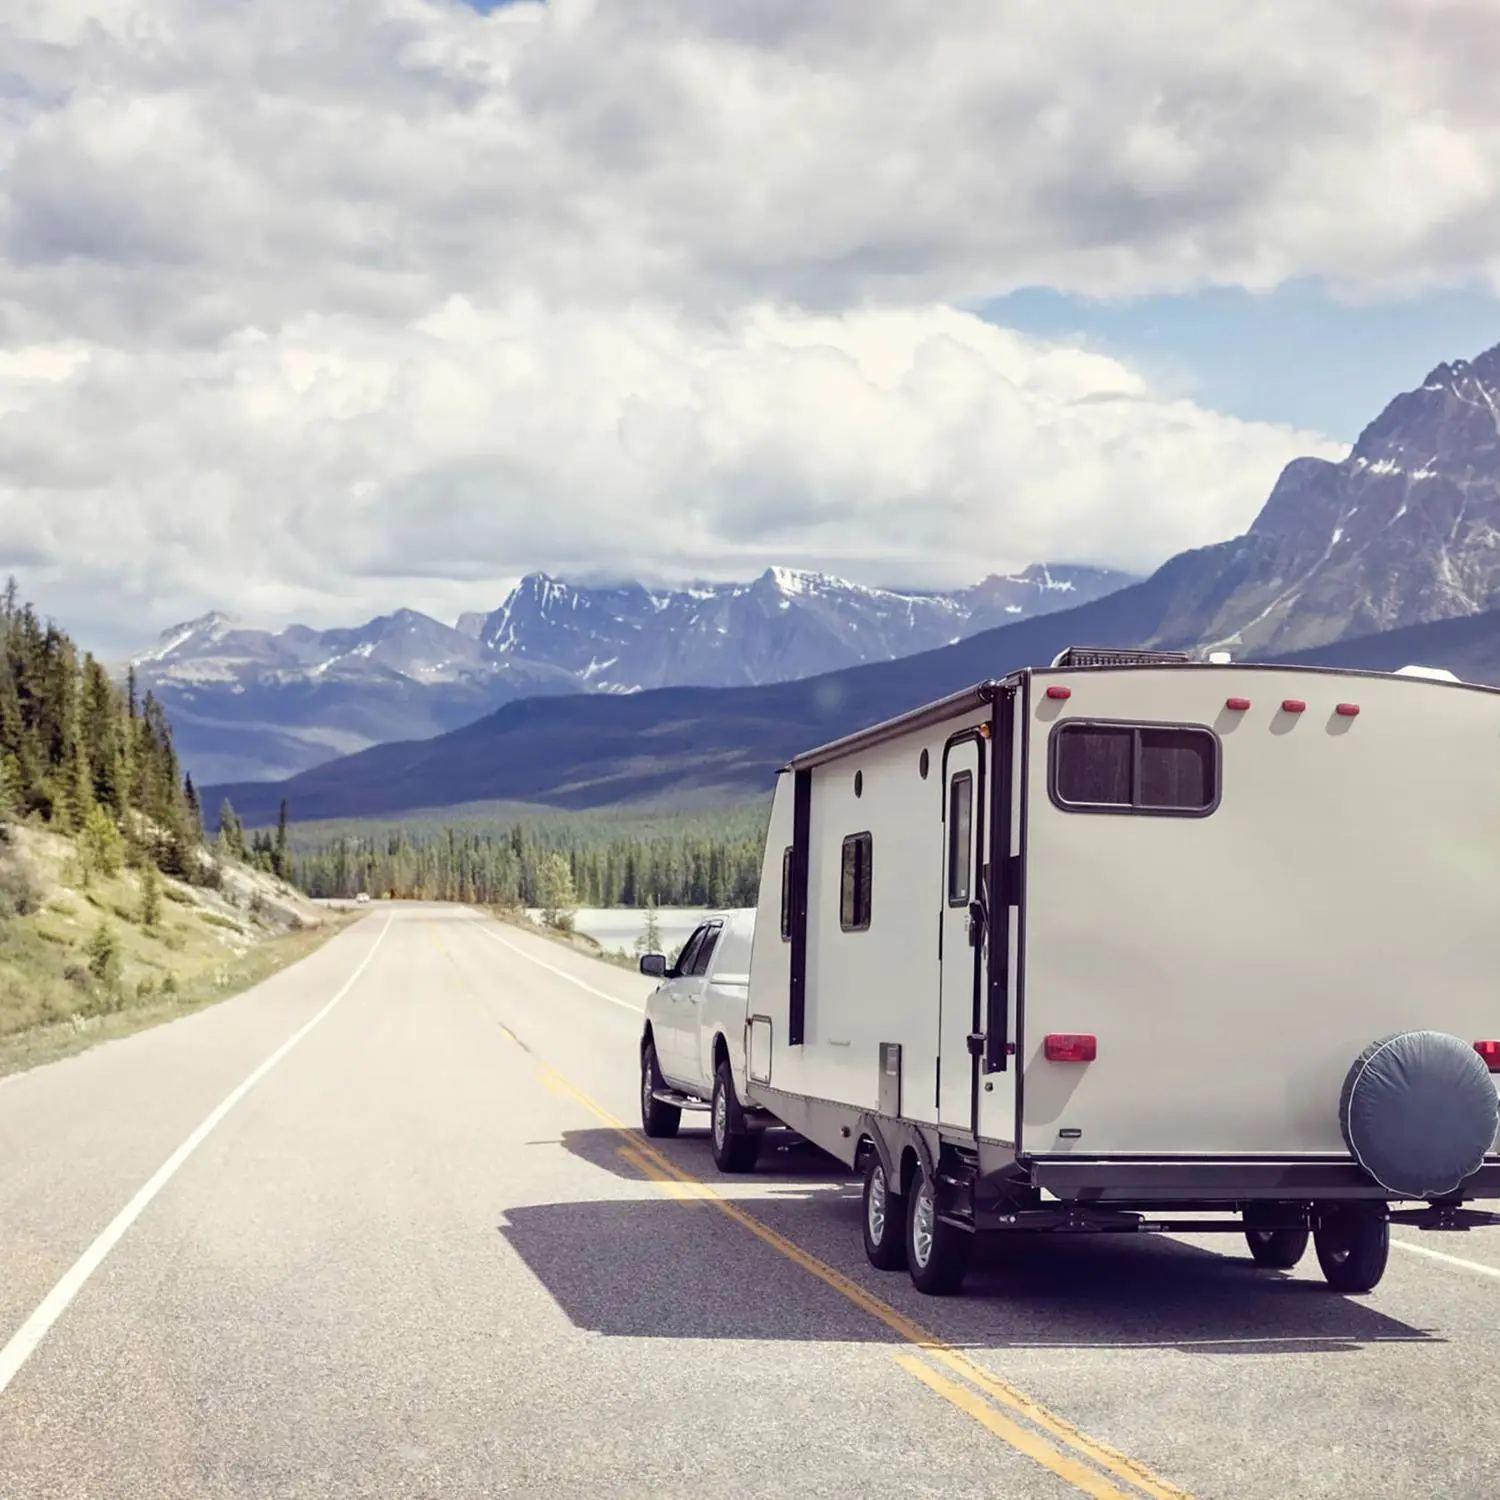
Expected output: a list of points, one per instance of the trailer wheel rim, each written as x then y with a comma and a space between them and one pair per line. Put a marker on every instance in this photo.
921, 1226
721, 1116
875, 1212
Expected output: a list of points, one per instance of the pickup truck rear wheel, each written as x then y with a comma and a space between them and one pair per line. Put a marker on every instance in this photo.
1353, 1244
736, 1147
885, 1219
937, 1254
658, 1120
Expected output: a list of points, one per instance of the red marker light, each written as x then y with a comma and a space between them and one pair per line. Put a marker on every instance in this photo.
1059, 692
1490, 1052
1347, 710
1067, 1046
1292, 705
1239, 705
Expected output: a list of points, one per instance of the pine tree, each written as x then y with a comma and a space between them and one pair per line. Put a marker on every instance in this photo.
279, 850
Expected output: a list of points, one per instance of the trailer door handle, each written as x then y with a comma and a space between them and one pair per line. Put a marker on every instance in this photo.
976, 923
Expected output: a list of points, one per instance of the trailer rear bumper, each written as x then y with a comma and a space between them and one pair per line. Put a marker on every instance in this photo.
1207, 1180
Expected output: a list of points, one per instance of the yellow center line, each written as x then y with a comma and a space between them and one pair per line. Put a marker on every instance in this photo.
1023, 1439
1062, 1431
684, 1192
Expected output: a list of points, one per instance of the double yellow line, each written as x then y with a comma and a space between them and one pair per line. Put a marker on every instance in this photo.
1029, 1427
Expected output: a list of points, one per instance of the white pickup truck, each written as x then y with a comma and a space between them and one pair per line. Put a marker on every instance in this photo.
693, 1040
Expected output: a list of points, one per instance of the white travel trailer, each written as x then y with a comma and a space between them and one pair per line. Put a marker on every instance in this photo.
1133, 939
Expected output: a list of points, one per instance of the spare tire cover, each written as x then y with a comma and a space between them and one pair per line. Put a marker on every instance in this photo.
1419, 1111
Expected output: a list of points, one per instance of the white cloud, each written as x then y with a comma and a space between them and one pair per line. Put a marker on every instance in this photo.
317, 307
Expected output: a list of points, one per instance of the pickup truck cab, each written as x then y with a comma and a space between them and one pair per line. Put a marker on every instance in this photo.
693, 1039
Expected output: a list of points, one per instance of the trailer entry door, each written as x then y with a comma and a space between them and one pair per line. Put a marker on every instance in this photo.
962, 945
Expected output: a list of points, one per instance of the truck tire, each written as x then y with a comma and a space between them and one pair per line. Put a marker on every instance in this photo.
658, 1120
937, 1254
1353, 1244
1276, 1249
885, 1219
735, 1146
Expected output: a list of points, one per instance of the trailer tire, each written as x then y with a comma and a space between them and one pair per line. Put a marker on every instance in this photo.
735, 1146
1353, 1244
937, 1253
1277, 1249
884, 1219
658, 1121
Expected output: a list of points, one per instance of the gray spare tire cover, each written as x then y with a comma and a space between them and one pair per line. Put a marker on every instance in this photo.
1419, 1111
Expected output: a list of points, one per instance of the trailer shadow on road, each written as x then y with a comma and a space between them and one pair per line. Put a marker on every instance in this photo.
663, 1266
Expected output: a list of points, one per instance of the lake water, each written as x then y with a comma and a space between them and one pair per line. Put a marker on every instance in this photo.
619, 926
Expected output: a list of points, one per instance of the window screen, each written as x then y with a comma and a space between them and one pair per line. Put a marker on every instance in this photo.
1134, 768
854, 898
960, 837
786, 894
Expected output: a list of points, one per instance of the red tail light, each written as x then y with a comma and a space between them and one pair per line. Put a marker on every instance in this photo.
1059, 692
1490, 1052
1239, 705
1347, 710
1292, 705
1068, 1046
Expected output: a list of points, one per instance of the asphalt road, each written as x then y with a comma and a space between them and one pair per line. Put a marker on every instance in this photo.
418, 1256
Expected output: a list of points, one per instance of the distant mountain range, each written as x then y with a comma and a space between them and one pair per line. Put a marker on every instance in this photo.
1387, 558
250, 704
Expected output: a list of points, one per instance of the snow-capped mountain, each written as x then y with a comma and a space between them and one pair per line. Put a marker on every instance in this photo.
250, 703
785, 624
1403, 532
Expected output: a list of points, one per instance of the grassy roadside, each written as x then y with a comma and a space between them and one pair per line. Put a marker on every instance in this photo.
50, 1042
88, 954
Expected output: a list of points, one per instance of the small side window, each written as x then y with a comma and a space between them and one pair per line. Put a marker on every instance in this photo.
689, 953
960, 837
704, 956
786, 894
854, 895
1138, 768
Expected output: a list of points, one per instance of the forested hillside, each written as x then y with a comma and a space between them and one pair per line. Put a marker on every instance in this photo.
113, 912
86, 757
703, 859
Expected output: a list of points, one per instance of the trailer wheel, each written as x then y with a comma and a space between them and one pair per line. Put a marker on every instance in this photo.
937, 1254
885, 1219
658, 1120
1353, 1245
735, 1146
1277, 1249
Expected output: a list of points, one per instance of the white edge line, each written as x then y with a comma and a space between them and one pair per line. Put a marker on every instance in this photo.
1447, 1260
485, 928
24, 1341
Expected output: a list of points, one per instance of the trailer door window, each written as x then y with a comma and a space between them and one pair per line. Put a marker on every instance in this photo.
1144, 768
854, 895
960, 837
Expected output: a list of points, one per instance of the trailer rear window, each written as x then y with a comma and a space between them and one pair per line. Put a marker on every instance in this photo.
786, 894
1140, 768
854, 898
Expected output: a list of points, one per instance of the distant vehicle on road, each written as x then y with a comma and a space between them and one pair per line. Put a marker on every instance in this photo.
363, 897
1118, 943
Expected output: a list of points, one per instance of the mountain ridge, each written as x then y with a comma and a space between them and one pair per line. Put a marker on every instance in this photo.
1424, 475
252, 703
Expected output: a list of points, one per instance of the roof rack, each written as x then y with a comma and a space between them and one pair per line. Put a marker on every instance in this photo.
1109, 656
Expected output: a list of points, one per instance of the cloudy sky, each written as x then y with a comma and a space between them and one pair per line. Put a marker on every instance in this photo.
310, 309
